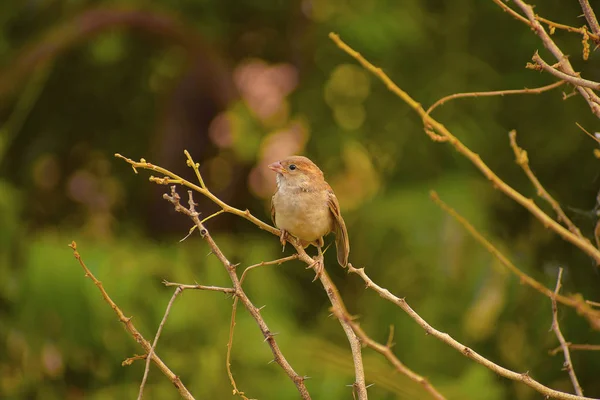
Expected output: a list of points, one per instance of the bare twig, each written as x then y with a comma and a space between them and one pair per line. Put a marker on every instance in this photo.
523, 161
563, 343
263, 263
539, 90
229, 347
571, 346
590, 16
132, 330
337, 303
575, 80
232, 323
432, 124
330, 289
576, 302
239, 292
200, 287
464, 350
587, 133
387, 352
158, 332
521, 377
564, 65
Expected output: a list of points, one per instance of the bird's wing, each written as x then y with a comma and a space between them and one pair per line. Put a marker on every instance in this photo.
339, 227
273, 209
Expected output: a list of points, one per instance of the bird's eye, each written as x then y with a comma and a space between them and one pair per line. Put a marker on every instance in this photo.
292, 167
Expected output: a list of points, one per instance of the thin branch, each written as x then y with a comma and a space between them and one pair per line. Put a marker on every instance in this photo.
229, 347
387, 352
563, 343
590, 16
386, 294
538, 90
337, 303
571, 346
158, 332
553, 25
464, 350
431, 123
239, 292
575, 79
232, 323
575, 302
176, 179
262, 263
587, 133
512, 12
573, 29
564, 64
523, 161
132, 330
328, 285
200, 287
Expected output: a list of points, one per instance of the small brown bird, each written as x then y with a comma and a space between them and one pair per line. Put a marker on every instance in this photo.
305, 206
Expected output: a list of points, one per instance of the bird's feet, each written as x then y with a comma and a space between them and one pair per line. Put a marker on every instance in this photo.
318, 265
283, 239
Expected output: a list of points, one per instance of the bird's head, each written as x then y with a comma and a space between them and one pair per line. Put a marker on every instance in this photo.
296, 171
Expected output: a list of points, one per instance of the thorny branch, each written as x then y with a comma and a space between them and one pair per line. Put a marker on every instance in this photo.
239, 292
133, 331
158, 332
332, 292
576, 302
523, 161
568, 365
440, 130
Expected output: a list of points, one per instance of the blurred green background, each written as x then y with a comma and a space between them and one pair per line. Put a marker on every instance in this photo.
243, 83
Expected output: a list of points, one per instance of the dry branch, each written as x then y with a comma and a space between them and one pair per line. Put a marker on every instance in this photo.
576, 302
568, 365
158, 332
538, 90
590, 16
239, 292
464, 350
432, 124
331, 290
564, 65
523, 161
132, 330
387, 352
574, 80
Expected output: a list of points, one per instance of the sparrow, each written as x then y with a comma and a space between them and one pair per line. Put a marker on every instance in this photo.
305, 206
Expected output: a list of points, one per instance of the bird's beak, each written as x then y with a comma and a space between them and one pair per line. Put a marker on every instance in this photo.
277, 167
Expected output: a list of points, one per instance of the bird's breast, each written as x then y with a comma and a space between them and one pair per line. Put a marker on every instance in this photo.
305, 215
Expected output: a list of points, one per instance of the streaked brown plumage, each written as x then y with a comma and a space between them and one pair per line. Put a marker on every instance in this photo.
305, 206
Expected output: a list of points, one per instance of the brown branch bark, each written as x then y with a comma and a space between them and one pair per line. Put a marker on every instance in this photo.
239, 292
132, 330
590, 16
523, 161
158, 332
464, 350
539, 90
564, 64
573, 80
568, 365
387, 352
576, 302
432, 124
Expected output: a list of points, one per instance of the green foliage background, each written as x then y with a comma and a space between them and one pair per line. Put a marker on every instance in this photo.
81, 80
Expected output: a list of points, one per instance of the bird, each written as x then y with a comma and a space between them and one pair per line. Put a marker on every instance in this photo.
305, 206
